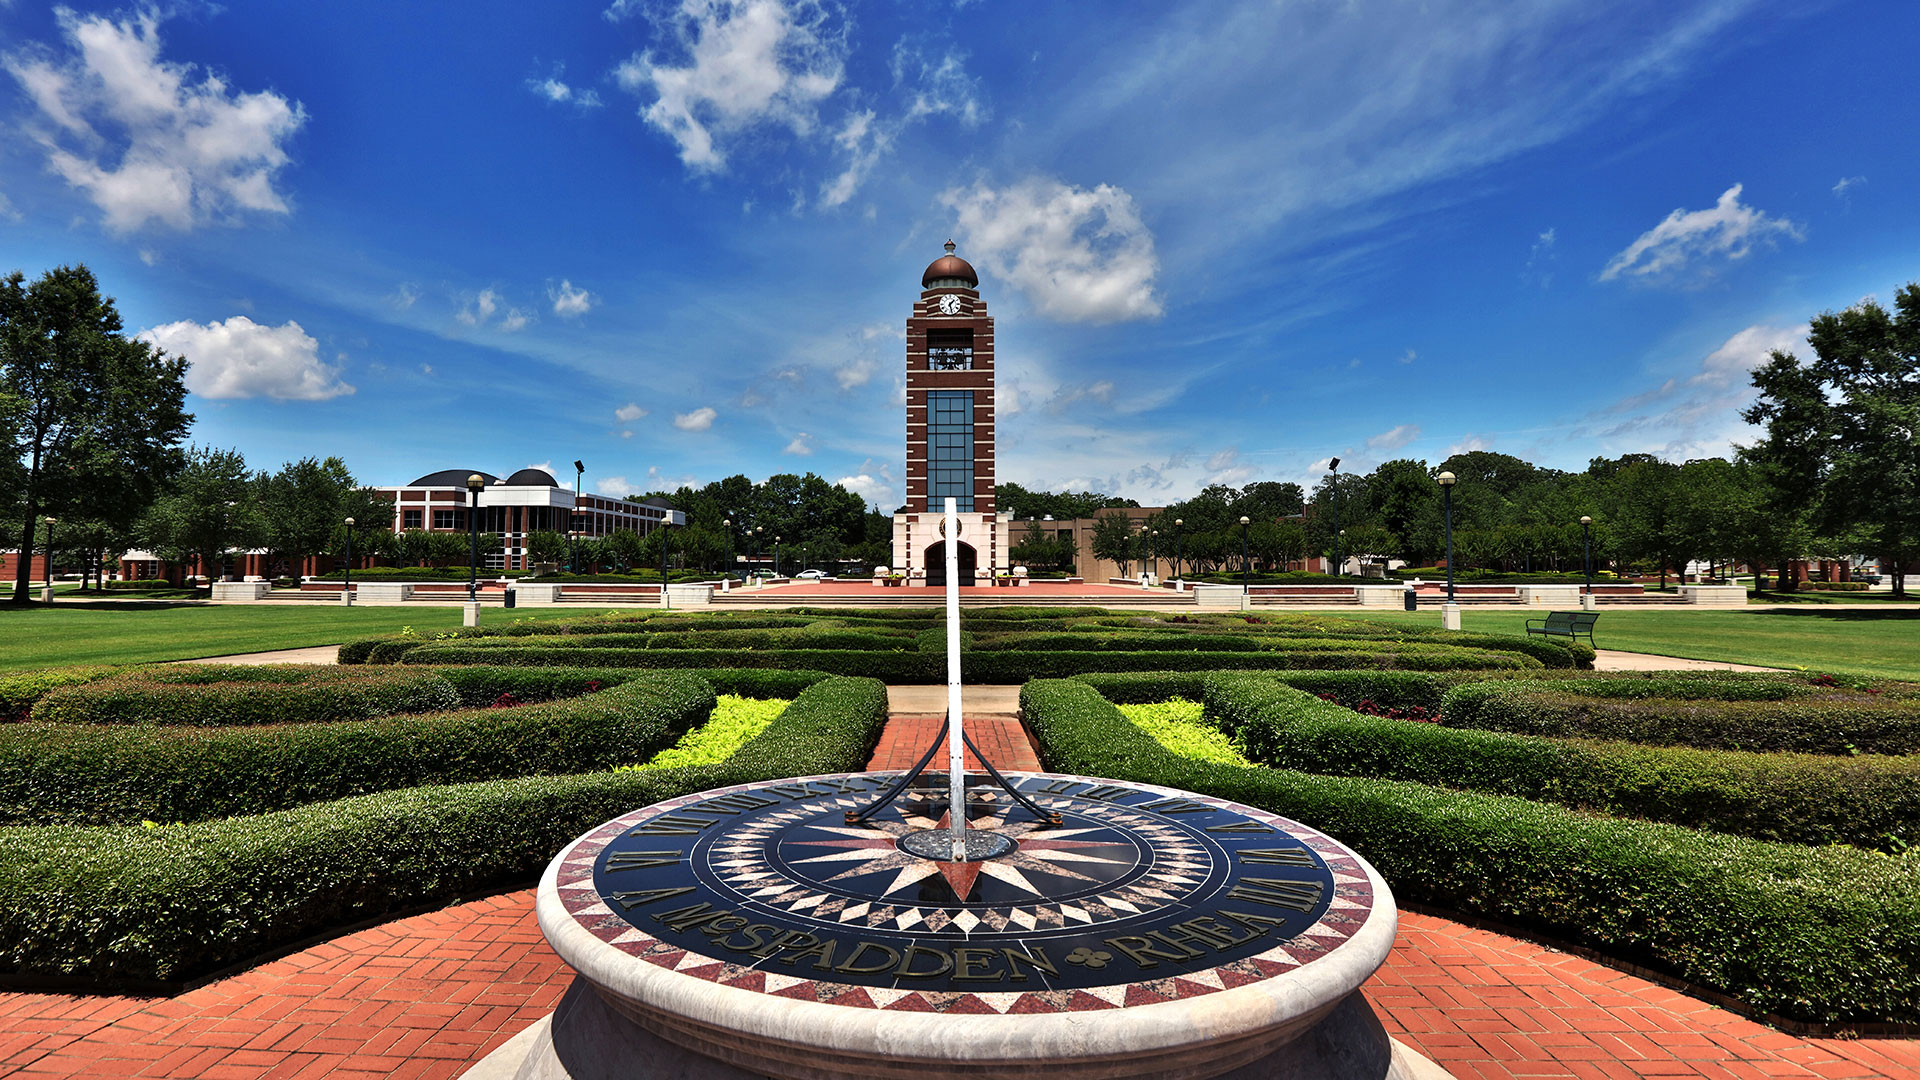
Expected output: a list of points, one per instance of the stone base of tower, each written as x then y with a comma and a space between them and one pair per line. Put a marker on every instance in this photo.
984, 539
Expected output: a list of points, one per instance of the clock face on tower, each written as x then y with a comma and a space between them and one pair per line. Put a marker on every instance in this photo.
949, 305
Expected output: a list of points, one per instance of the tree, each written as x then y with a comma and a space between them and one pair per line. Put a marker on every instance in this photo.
546, 546
305, 504
207, 511
1842, 431
1114, 540
83, 409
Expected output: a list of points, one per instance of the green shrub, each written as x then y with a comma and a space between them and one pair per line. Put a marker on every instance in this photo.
1829, 723
735, 720
64, 774
1176, 724
356, 652
1870, 802
169, 903
1824, 934
20, 689
483, 685
137, 584
223, 697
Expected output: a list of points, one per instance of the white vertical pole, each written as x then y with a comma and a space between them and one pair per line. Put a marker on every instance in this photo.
956, 739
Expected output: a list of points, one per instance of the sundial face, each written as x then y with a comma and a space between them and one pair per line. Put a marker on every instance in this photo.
1143, 894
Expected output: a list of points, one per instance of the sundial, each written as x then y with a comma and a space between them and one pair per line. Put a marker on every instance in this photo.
852, 925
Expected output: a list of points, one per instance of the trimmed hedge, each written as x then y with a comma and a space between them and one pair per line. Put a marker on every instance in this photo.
1870, 802
980, 667
130, 903
98, 775
222, 697
1828, 723
1822, 934
20, 689
483, 685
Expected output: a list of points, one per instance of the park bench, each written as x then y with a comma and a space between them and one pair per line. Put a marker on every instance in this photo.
1566, 624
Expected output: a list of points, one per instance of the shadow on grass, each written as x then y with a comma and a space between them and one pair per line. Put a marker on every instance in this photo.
1849, 614
102, 605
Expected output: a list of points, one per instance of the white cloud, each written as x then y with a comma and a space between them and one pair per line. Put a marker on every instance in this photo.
480, 310
1728, 229
1467, 445
554, 90
1079, 255
240, 358
699, 419
614, 487
569, 301
627, 434
1694, 413
875, 491
1394, 438
405, 296
864, 144
799, 445
748, 64
937, 87
1846, 184
544, 466
1409, 357
1540, 260
512, 320
145, 141
629, 412
7, 211
426, 369
1740, 354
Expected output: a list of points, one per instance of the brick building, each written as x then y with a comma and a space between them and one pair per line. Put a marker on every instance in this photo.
528, 501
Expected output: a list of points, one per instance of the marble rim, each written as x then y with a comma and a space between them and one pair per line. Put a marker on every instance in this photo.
1227, 1015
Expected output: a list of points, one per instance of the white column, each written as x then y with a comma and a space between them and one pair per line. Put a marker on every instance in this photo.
956, 737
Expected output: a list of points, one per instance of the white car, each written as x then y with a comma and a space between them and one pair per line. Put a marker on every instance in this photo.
814, 575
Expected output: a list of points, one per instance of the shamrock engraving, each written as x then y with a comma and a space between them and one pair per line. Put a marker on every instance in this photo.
1093, 958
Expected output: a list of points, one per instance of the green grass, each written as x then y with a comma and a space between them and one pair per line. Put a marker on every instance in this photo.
1177, 725
1862, 641
735, 720
106, 632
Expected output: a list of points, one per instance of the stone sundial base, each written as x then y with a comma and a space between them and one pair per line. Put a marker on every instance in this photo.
750, 932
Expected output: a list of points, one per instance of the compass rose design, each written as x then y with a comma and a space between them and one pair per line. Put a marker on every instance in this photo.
1055, 858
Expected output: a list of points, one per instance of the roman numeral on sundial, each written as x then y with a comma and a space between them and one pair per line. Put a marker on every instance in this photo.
1178, 806
640, 860
1242, 826
671, 826
631, 900
1107, 793
1293, 895
1277, 856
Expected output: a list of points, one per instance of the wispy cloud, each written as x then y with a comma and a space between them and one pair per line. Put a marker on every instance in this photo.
1846, 184
1684, 239
1394, 438
799, 446
569, 302
555, 90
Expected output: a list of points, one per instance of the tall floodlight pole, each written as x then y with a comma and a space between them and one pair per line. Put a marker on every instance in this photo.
727, 524
956, 739
776, 554
474, 483
1178, 525
1153, 550
349, 589
1586, 549
1333, 466
1446, 487
1246, 568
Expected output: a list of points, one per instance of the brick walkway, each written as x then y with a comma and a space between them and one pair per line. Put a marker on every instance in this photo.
425, 997
1001, 738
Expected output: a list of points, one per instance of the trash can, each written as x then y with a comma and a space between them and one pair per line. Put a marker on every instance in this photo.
510, 598
1412, 600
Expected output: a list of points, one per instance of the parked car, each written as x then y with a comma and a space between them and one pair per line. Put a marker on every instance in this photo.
813, 575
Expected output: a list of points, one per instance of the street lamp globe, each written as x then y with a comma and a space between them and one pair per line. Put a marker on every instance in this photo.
349, 523
1446, 479
1244, 520
1585, 520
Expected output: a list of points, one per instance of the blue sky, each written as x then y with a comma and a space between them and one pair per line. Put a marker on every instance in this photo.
1223, 241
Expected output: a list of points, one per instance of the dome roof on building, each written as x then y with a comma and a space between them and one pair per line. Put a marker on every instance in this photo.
950, 267
452, 478
532, 478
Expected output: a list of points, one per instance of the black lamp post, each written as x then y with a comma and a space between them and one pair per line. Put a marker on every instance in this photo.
51, 521
1586, 549
755, 558
727, 524
776, 554
349, 590
1153, 550
1446, 487
1178, 525
576, 519
1246, 568
474, 483
1333, 466
664, 536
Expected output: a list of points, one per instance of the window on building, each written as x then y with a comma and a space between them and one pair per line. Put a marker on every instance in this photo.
446, 519
949, 449
949, 350
410, 519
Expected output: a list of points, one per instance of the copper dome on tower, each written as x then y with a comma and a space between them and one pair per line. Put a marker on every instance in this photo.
949, 268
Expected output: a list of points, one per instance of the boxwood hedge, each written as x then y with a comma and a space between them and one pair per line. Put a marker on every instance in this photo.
190, 695
1821, 934
1832, 722
132, 906
96, 775
1871, 802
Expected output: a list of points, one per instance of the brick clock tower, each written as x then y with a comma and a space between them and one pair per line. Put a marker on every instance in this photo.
949, 429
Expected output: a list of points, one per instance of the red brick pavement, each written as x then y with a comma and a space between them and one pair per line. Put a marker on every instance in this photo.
1002, 738
426, 996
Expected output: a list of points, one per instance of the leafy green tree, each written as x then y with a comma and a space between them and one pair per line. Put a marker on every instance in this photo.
1115, 541
546, 546
91, 419
1841, 430
207, 511
304, 504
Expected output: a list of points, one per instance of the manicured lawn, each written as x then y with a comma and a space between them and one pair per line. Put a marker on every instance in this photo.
104, 632
1819, 638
